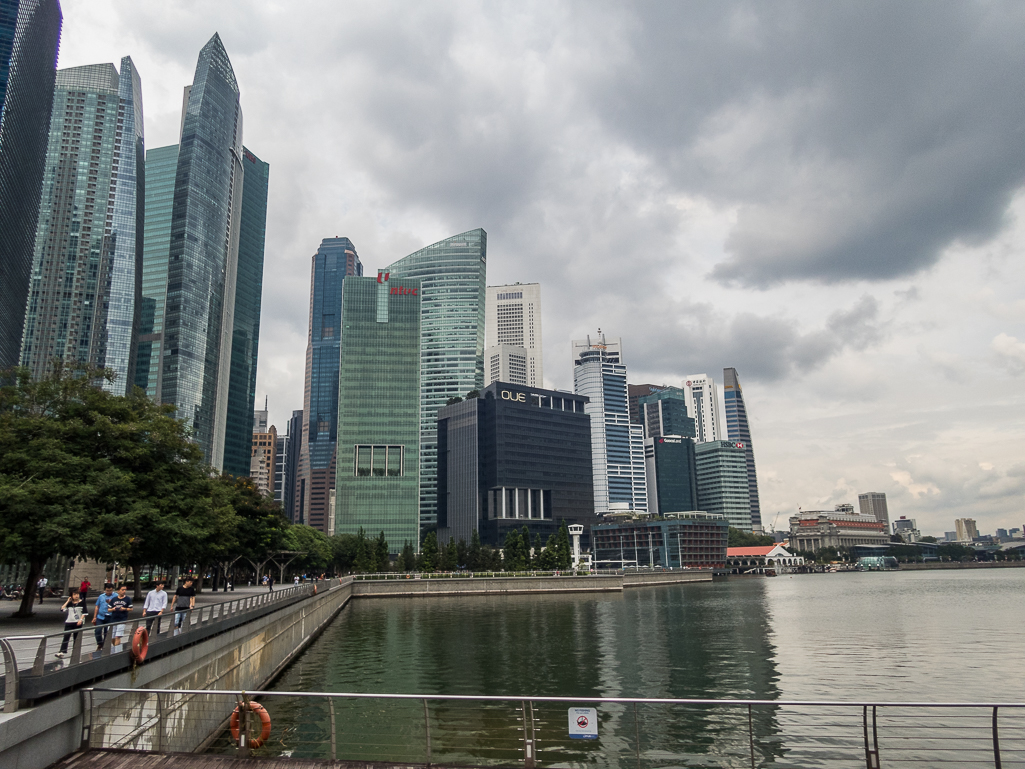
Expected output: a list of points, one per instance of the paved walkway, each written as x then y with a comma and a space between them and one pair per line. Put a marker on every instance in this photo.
102, 759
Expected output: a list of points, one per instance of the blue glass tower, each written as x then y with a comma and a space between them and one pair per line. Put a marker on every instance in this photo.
453, 277
335, 260
203, 256
738, 430
248, 298
29, 37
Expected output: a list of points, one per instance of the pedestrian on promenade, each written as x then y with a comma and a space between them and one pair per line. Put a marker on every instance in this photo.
156, 602
75, 610
184, 599
119, 606
295, 580
83, 589
270, 583
41, 588
101, 615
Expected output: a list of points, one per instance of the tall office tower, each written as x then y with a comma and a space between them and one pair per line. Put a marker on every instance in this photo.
665, 413
161, 167
377, 486
617, 447
738, 429
453, 280
263, 461
203, 256
874, 503
635, 393
29, 37
512, 335
965, 529
261, 417
722, 481
288, 462
671, 469
335, 260
83, 292
245, 340
703, 405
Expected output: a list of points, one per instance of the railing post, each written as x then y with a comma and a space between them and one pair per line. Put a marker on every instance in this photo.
331, 707
427, 729
996, 740
10, 677
871, 750
40, 665
637, 737
529, 741
243, 726
159, 745
76, 645
87, 718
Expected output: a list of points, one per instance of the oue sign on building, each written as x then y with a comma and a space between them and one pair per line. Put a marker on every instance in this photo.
515, 397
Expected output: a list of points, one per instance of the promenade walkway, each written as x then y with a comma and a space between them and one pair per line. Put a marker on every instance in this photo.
120, 759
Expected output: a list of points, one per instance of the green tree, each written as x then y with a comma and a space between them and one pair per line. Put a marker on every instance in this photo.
741, 538
549, 558
525, 538
562, 547
474, 555
343, 552
429, 552
453, 399
366, 554
407, 560
462, 554
261, 529
472, 394
513, 551
317, 551
449, 556
952, 551
381, 552
929, 539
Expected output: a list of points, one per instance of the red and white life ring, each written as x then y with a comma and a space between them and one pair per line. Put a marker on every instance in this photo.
261, 712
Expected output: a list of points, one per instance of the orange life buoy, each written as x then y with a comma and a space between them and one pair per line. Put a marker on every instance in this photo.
314, 589
259, 710
140, 644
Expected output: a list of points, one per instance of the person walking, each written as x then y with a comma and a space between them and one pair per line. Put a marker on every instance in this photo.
184, 599
41, 588
101, 615
270, 583
83, 589
156, 602
295, 580
75, 610
118, 607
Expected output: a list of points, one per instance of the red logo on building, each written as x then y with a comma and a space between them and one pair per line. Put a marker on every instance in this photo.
382, 277
403, 291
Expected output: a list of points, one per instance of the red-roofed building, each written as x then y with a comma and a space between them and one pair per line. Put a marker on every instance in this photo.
760, 560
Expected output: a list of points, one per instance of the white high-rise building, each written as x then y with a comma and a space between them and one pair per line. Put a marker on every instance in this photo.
617, 446
512, 335
703, 407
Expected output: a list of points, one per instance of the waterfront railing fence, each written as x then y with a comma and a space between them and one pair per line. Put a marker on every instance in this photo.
456, 731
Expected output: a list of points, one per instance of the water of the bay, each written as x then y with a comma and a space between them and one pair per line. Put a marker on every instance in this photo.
883, 636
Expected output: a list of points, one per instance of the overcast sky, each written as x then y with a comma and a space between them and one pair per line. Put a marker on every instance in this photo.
829, 197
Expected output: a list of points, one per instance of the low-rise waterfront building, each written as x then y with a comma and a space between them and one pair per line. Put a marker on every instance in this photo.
758, 560
694, 540
516, 456
816, 529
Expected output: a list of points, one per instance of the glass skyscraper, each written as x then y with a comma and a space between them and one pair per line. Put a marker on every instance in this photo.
203, 256
738, 429
453, 275
161, 167
29, 38
248, 298
377, 484
335, 260
617, 446
722, 481
83, 290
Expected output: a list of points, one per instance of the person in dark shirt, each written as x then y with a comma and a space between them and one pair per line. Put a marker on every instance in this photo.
184, 599
118, 607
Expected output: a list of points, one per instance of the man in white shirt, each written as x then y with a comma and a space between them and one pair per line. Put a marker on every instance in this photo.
41, 587
156, 602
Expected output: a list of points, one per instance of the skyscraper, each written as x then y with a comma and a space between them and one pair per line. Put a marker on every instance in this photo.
617, 446
203, 256
737, 429
874, 503
29, 38
512, 335
703, 400
287, 460
671, 470
335, 260
245, 340
635, 393
84, 286
452, 274
161, 166
722, 481
376, 488
665, 413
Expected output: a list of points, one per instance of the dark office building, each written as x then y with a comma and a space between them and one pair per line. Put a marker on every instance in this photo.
245, 341
288, 462
635, 393
692, 540
517, 456
29, 37
670, 466
665, 413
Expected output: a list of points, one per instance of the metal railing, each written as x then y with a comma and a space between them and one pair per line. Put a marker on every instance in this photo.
632, 733
33, 670
392, 575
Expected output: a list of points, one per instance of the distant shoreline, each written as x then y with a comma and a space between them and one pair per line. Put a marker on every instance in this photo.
960, 565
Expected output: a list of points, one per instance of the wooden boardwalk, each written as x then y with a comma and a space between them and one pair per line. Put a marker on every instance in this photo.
131, 759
